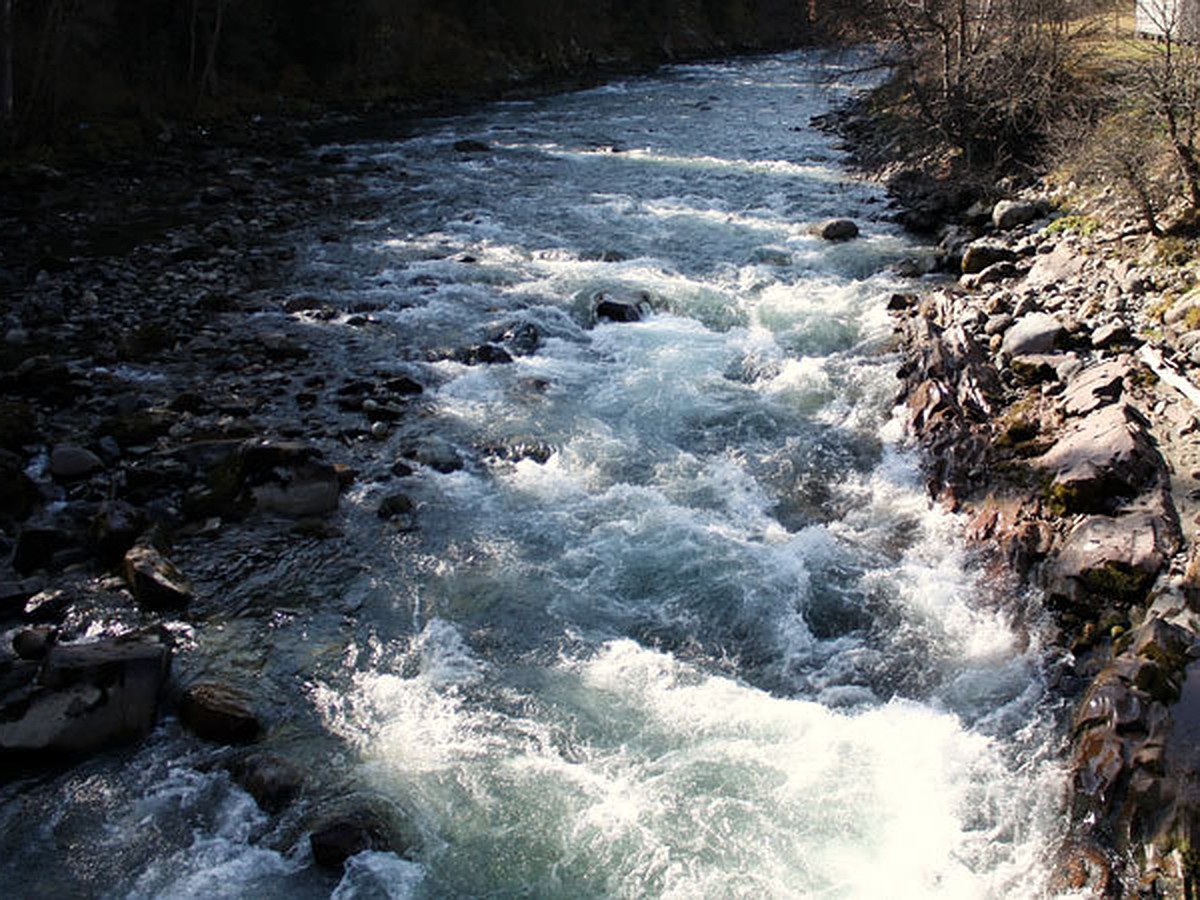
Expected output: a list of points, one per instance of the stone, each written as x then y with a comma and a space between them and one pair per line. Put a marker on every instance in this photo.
219, 714
1112, 334
337, 839
1112, 558
395, 506
1096, 386
1009, 214
39, 542
836, 230
19, 495
155, 582
272, 780
1034, 333
436, 453
979, 255
86, 697
625, 306
993, 274
34, 643
286, 478
1102, 457
69, 462
468, 145
115, 530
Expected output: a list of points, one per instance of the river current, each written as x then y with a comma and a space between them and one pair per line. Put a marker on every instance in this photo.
711, 639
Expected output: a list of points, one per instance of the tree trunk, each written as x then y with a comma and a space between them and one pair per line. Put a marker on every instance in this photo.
208, 81
7, 118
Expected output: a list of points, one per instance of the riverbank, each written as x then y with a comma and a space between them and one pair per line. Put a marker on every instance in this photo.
1048, 381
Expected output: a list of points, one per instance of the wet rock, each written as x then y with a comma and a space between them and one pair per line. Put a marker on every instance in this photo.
1101, 458
520, 449
630, 306
521, 338
219, 714
155, 582
272, 780
19, 494
115, 530
337, 839
436, 453
1033, 334
34, 643
15, 594
86, 697
287, 479
482, 355
40, 542
403, 386
469, 145
836, 230
1009, 214
18, 424
396, 506
982, 254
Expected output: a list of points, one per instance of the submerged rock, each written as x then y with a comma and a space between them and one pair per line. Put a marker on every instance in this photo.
625, 306
220, 714
272, 780
836, 230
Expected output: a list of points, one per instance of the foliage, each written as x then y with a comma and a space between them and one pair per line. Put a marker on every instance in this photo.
83, 60
987, 77
1074, 224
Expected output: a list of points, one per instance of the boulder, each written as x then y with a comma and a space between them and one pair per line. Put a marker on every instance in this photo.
86, 697
1113, 334
1033, 333
69, 462
1096, 386
1109, 558
337, 839
436, 453
220, 714
620, 306
272, 780
1102, 457
981, 254
287, 478
836, 230
1009, 214
155, 582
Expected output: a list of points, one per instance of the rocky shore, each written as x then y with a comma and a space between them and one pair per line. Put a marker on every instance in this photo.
1047, 378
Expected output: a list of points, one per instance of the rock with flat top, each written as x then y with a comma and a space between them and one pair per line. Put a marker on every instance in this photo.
155, 582
1032, 334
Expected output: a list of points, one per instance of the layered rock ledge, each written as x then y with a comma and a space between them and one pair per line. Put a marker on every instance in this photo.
1070, 441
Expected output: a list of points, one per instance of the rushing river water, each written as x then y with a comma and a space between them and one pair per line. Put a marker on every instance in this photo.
709, 640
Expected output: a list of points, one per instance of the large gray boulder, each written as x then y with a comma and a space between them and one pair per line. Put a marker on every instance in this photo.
1033, 333
1009, 214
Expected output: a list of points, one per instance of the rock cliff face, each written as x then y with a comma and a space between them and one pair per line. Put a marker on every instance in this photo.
1046, 421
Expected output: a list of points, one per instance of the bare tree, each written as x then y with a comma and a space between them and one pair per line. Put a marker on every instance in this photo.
1166, 78
987, 75
7, 118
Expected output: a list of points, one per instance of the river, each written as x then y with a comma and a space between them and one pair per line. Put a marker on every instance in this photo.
703, 636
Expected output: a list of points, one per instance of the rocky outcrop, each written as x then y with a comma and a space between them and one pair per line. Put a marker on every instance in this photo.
80, 698
1041, 427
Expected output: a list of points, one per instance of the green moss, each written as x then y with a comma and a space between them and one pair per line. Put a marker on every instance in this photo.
1175, 251
1074, 224
1191, 318
1116, 581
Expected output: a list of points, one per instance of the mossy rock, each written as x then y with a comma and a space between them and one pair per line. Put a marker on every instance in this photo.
1116, 581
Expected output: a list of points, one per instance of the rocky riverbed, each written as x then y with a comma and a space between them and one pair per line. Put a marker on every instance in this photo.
1050, 385
175, 419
